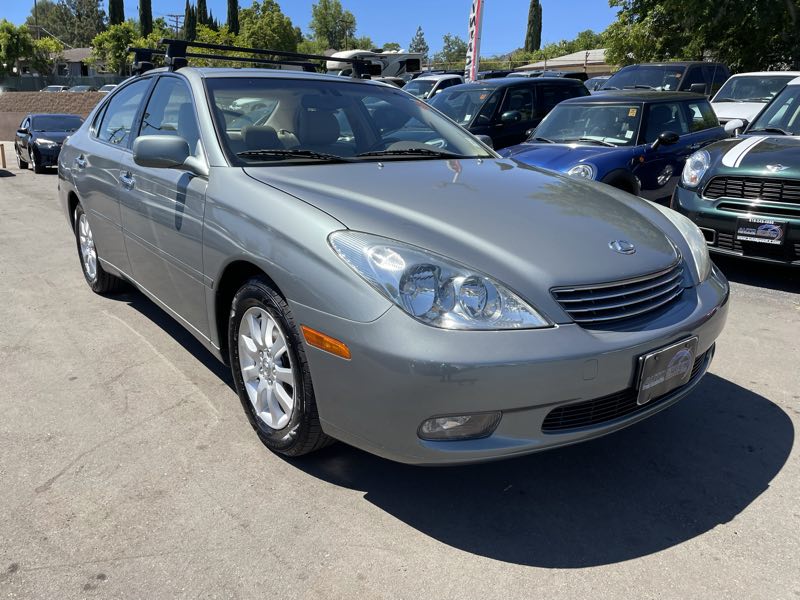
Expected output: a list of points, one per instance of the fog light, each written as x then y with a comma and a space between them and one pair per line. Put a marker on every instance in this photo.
459, 427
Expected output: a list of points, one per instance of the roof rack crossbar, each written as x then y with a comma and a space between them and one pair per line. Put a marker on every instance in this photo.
306, 66
177, 49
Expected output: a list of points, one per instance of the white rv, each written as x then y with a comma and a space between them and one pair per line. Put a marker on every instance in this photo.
393, 64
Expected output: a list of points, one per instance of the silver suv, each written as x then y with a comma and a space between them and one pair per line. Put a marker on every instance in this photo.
374, 274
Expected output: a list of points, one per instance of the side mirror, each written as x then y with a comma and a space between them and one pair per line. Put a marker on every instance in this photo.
735, 126
511, 116
21, 131
166, 152
698, 88
486, 140
667, 138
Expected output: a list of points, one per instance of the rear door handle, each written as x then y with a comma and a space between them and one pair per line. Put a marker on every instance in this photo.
80, 162
127, 180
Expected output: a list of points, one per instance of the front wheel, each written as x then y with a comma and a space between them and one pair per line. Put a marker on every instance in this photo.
271, 373
35, 163
21, 164
98, 279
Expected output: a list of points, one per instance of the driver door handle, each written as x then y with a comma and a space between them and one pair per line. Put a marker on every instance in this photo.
127, 180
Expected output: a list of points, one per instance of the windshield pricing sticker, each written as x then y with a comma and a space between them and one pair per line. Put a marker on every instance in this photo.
763, 231
628, 134
632, 112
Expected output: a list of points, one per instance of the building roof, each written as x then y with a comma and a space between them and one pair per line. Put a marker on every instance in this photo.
73, 55
583, 57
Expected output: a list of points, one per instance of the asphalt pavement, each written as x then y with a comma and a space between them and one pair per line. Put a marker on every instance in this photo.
129, 470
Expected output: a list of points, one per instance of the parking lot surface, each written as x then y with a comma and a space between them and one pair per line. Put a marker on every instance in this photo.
129, 469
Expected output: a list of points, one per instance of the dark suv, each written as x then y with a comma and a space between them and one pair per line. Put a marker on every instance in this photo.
506, 109
699, 77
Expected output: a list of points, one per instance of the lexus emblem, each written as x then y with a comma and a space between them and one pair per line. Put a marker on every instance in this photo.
776, 168
622, 246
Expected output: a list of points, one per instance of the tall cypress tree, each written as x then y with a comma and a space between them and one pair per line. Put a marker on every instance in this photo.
202, 12
189, 22
533, 36
116, 12
233, 16
145, 17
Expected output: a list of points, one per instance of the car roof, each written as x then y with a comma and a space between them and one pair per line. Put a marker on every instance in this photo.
53, 115
637, 96
767, 74
672, 63
508, 81
438, 76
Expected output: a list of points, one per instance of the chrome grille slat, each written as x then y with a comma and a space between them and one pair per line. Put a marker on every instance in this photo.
771, 189
607, 303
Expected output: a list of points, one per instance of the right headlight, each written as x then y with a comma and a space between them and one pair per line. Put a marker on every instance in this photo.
694, 238
695, 168
433, 289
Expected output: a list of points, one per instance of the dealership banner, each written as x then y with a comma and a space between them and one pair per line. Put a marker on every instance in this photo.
474, 47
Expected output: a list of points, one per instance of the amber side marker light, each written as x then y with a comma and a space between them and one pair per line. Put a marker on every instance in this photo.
325, 342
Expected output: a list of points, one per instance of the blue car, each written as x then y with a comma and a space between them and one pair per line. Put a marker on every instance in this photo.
637, 141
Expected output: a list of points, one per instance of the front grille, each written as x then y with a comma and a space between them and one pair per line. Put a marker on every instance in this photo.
613, 302
754, 188
786, 253
607, 408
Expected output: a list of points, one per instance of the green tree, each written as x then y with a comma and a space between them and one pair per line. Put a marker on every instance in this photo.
233, 17
116, 12
453, 54
418, 44
189, 22
52, 18
263, 25
145, 18
332, 24
362, 42
533, 35
392, 47
89, 19
45, 52
110, 48
16, 43
202, 12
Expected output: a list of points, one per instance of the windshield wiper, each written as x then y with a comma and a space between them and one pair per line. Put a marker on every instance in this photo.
771, 130
282, 154
609, 87
728, 100
541, 139
640, 86
592, 141
412, 152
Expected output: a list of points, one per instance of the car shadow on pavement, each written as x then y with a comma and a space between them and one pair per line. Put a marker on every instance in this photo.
758, 274
642, 490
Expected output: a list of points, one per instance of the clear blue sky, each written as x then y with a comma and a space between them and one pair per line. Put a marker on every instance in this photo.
385, 21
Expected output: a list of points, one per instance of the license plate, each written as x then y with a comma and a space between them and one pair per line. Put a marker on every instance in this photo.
664, 370
761, 231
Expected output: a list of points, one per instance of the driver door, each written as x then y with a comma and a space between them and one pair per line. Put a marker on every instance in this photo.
162, 209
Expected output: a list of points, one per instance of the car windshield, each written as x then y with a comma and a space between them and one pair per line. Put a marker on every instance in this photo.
664, 78
616, 124
56, 123
782, 115
420, 87
752, 88
462, 103
313, 121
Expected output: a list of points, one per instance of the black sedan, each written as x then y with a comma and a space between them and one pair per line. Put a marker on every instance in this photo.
39, 138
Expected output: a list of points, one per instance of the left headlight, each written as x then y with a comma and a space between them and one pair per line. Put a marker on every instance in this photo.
433, 289
46, 143
582, 170
694, 238
695, 168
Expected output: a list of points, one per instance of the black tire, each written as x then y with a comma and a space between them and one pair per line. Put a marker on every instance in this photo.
303, 433
35, 163
21, 164
102, 282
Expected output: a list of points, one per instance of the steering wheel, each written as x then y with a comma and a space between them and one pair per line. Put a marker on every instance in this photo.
237, 116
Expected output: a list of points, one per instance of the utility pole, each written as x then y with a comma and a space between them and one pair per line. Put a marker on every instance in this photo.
36, 19
177, 23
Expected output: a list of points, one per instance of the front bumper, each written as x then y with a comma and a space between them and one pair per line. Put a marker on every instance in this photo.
403, 372
718, 221
48, 155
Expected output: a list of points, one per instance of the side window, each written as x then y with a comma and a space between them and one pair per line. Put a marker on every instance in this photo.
26, 122
115, 128
666, 116
701, 116
520, 99
695, 75
550, 95
170, 111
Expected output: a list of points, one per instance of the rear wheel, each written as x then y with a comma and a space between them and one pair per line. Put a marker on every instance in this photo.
98, 279
271, 373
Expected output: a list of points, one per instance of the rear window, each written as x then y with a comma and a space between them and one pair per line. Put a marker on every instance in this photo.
56, 123
551, 94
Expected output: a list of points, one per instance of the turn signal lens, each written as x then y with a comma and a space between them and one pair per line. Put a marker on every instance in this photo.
459, 427
325, 342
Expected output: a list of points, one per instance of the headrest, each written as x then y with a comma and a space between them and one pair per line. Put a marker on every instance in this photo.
318, 128
260, 138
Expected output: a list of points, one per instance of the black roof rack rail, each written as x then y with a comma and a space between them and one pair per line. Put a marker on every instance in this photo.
178, 52
143, 59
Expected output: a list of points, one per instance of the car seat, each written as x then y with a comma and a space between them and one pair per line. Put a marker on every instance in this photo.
261, 138
318, 130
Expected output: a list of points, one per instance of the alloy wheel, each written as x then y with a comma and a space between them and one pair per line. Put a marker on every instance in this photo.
266, 367
88, 250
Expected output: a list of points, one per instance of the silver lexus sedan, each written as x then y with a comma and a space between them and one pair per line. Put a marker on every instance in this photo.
372, 273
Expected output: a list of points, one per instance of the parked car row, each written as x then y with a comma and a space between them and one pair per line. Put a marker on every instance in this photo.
79, 88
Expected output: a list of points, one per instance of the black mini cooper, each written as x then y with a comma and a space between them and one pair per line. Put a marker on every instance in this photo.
744, 193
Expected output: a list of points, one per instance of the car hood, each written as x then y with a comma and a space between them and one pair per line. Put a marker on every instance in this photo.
727, 111
754, 154
55, 136
529, 228
558, 157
